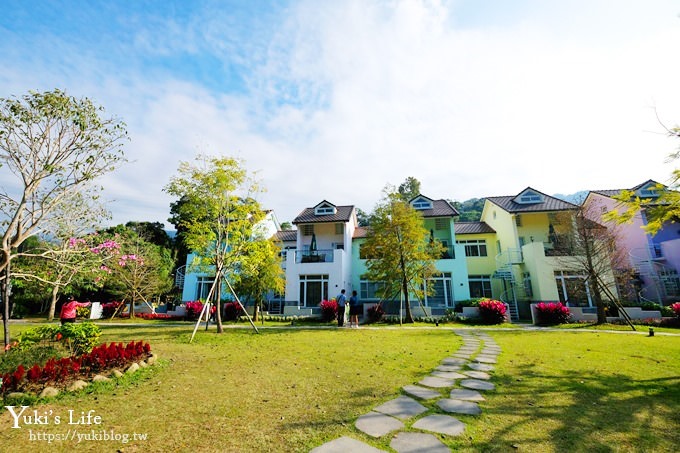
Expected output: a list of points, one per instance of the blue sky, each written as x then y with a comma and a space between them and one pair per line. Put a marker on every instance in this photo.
335, 99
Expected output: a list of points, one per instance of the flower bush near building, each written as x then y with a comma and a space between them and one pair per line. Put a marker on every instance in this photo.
551, 313
676, 309
232, 311
194, 309
492, 311
329, 310
58, 371
375, 313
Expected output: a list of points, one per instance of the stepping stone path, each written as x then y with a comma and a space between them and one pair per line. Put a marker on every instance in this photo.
463, 375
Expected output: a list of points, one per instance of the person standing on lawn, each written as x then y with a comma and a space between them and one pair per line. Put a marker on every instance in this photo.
68, 310
354, 310
341, 308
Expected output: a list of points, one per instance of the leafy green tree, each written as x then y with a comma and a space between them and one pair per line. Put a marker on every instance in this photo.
399, 250
218, 215
286, 226
51, 146
409, 189
470, 210
260, 272
363, 218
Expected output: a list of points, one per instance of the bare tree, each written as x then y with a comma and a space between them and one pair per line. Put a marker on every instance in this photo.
51, 146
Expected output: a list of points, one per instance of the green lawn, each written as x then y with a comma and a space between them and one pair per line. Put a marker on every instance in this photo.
294, 389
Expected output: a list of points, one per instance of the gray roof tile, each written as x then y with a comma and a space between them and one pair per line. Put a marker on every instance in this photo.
472, 228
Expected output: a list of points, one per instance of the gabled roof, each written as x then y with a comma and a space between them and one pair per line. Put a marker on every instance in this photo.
360, 232
440, 208
286, 235
308, 215
472, 228
509, 203
613, 192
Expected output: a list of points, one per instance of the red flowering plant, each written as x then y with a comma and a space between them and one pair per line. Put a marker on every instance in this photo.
59, 371
232, 311
551, 313
194, 309
676, 309
375, 313
492, 311
329, 310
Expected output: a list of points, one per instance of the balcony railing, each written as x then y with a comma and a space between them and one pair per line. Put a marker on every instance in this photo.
314, 256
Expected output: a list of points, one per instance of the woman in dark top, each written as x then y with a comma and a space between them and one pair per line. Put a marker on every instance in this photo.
355, 309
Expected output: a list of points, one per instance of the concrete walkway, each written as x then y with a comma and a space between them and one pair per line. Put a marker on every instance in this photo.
455, 386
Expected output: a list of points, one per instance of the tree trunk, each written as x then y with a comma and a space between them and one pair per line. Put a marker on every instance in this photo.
218, 301
5, 303
53, 303
409, 313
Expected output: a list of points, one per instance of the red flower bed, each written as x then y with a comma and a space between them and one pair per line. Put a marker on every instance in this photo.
194, 309
492, 311
160, 316
57, 371
329, 310
550, 313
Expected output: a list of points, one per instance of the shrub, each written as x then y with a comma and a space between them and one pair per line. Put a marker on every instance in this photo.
232, 311
329, 310
467, 303
676, 309
194, 309
552, 313
375, 313
77, 338
83, 312
109, 308
492, 311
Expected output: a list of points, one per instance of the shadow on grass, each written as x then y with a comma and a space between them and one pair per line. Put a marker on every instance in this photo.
596, 412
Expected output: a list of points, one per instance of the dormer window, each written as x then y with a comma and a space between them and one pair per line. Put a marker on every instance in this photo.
421, 203
648, 191
325, 209
529, 197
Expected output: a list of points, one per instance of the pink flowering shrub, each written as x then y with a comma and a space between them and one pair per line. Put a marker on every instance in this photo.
194, 309
492, 311
676, 309
232, 311
550, 313
329, 310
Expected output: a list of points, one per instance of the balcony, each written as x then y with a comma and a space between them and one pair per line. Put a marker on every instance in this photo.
314, 256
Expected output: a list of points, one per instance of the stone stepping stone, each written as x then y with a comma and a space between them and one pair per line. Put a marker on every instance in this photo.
448, 374
376, 424
454, 361
458, 355
480, 367
436, 382
485, 359
417, 442
476, 384
449, 368
421, 392
344, 444
478, 375
442, 424
488, 352
402, 407
459, 406
467, 395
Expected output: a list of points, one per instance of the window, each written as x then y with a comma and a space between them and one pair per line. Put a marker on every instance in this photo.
441, 224
518, 220
474, 247
371, 290
307, 230
528, 290
313, 289
339, 228
442, 296
325, 209
572, 289
529, 197
421, 203
522, 241
480, 286
203, 286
